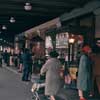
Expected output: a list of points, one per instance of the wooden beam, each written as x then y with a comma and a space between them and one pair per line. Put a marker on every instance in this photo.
65, 3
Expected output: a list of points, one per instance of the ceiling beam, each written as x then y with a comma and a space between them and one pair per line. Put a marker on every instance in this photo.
17, 6
34, 9
60, 3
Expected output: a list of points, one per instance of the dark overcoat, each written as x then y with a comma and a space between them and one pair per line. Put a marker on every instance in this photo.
27, 65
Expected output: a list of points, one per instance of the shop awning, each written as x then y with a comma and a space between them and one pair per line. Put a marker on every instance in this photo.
70, 29
37, 38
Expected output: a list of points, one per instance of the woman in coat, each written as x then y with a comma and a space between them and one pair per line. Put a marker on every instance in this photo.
84, 81
54, 82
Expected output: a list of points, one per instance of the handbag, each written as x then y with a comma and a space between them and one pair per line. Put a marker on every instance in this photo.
61, 73
68, 79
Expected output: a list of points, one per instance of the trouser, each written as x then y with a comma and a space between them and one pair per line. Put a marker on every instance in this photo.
0, 62
25, 74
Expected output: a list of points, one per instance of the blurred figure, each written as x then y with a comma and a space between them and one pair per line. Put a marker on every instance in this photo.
6, 57
54, 82
27, 65
20, 62
84, 80
0, 59
11, 59
16, 60
96, 70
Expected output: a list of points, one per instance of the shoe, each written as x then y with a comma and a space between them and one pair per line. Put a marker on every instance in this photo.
19, 71
25, 80
91, 95
83, 99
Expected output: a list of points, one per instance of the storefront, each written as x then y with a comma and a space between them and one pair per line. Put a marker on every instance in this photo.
69, 39
68, 46
36, 41
87, 19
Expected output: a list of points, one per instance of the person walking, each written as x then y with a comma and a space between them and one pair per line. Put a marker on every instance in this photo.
53, 83
84, 80
27, 65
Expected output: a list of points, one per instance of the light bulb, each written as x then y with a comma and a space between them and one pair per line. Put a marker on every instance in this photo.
4, 27
12, 20
27, 6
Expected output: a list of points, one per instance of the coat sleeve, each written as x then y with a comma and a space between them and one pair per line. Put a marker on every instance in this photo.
44, 68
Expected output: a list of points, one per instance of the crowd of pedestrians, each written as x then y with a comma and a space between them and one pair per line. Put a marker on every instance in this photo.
55, 76
85, 76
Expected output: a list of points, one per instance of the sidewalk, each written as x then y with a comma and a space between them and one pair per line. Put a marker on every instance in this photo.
71, 92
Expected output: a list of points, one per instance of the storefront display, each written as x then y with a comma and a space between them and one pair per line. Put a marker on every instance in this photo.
98, 42
62, 44
62, 40
68, 46
48, 45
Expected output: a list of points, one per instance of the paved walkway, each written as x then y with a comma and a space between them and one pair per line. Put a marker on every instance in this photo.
12, 88
71, 93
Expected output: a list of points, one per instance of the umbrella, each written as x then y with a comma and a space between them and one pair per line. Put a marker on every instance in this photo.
37, 39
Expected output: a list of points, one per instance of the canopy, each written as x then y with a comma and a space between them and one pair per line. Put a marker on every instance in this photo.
37, 39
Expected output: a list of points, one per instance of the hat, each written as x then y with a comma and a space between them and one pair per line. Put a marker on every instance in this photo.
86, 48
53, 54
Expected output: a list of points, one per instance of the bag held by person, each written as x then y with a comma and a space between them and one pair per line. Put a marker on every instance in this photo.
67, 79
61, 72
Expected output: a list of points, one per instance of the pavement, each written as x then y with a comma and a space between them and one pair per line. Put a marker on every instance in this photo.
71, 91
12, 88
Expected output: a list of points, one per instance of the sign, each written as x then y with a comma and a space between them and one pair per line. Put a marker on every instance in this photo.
62, 40
98, 42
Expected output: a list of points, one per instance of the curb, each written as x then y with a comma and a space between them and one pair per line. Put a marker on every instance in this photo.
34, 77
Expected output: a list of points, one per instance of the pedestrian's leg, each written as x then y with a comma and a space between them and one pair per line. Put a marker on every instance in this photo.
52, 97
27, 74
0, 62
21, 65
20, 68
23, 76
80, 92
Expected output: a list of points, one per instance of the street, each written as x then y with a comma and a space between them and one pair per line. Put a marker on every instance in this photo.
12, 88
